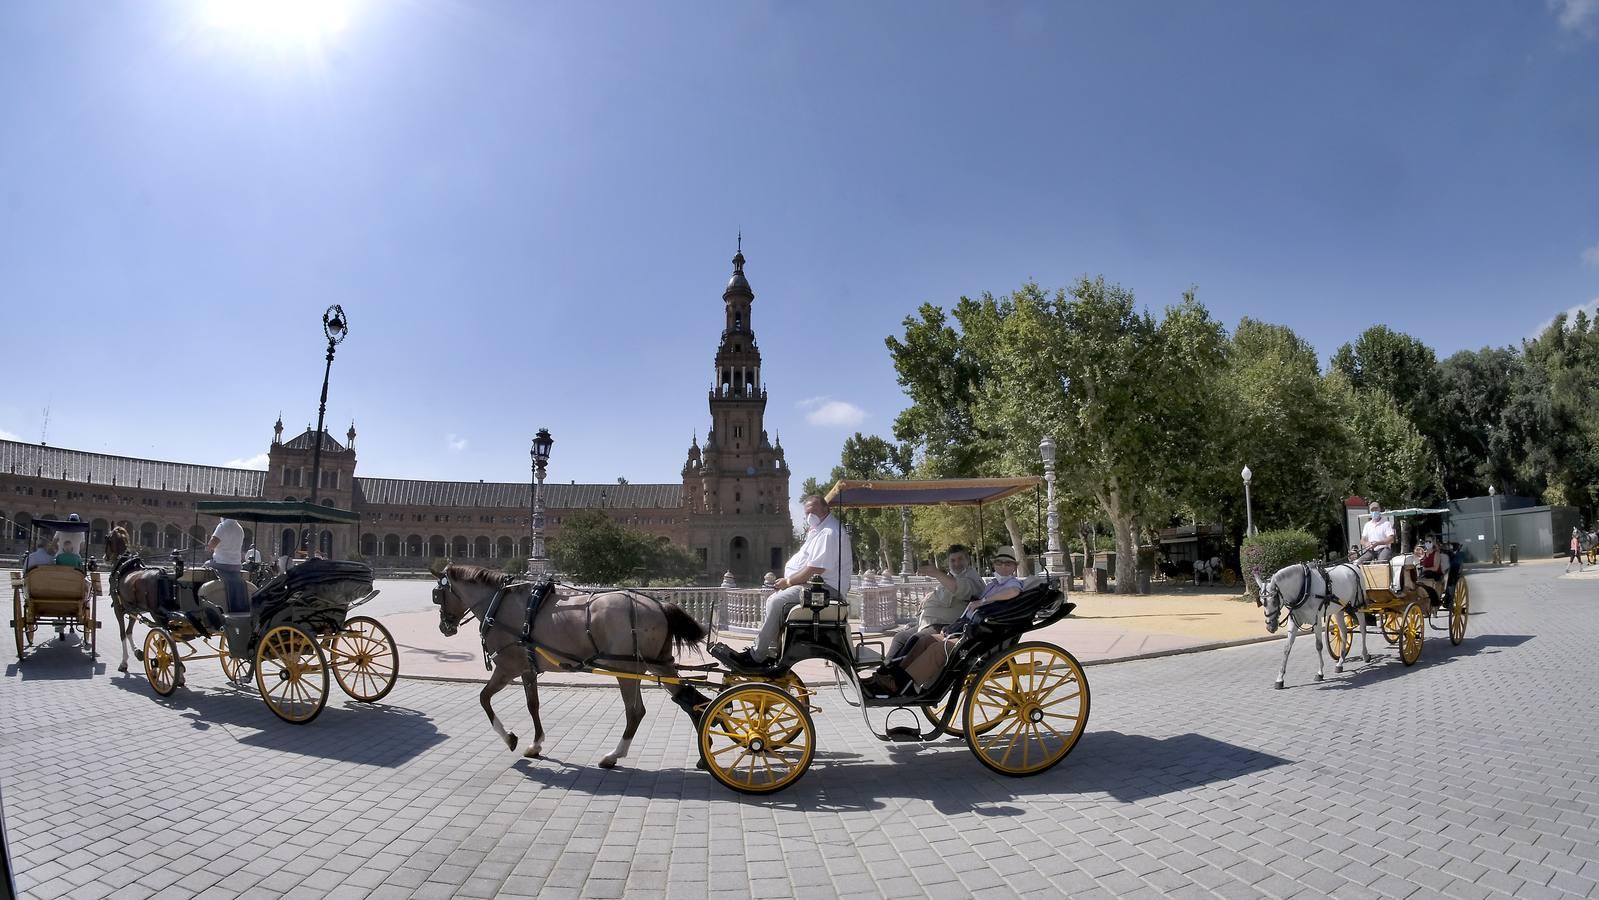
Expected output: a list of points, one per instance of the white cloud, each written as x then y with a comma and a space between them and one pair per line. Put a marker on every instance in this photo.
8, 436
258, 461
827, 411
1591, 308
1591, 255
1576, 15
454, 442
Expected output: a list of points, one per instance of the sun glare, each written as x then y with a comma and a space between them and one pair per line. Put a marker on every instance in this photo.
279, 21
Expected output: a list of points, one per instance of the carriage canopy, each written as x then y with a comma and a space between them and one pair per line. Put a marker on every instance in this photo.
940, 492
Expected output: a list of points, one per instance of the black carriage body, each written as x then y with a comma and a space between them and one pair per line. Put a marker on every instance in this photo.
1038, 606
294, 599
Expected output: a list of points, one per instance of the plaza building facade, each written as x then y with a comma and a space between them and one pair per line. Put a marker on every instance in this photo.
730, 509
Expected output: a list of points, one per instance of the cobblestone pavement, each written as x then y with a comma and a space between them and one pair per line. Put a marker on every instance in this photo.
1471, 775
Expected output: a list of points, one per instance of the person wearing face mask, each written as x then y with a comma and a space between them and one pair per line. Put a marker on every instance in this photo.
1377, 536
826, 552
956, 588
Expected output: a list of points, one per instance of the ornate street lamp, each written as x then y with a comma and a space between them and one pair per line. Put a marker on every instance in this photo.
1249, 509
1493, 510
336, 327
907, 566
1054, 559
542, 442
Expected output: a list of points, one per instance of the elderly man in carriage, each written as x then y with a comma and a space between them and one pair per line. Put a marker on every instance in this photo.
826, 552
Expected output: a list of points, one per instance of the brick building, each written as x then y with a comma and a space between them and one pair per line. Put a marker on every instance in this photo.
731, 508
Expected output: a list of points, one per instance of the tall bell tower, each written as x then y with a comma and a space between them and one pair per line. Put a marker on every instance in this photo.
736, 486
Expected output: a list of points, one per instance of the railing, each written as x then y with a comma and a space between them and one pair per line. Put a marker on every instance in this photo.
699, 602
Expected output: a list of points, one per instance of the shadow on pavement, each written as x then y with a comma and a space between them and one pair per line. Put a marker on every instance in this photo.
53, 660
1435, 651
1127, 767
374, 734
443, 656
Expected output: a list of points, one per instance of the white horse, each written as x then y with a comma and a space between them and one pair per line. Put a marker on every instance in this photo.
1300, 594
1210, 569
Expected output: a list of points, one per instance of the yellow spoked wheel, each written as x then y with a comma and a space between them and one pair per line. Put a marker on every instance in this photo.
292, 672
1459, 614
1390, 626
789, 682
755, 738
365, 660
161, 663
1412, 625
1027, 709
17, 623
1340, 640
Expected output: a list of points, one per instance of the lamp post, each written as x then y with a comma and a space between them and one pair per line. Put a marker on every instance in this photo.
537, 564
1493, 511
1249, 508
336, 327
1054, 558
907, 566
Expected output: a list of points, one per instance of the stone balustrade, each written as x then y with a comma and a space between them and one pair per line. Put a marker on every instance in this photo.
877, 603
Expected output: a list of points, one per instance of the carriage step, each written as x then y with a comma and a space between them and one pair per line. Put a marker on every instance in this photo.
903, 735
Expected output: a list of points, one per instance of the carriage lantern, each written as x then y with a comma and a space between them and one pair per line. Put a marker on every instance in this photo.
816, 593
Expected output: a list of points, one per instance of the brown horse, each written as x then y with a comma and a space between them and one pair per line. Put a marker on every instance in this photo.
618, 630
134, 589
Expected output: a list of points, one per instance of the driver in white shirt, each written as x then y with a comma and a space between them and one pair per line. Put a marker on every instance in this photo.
1376, 536
826, 552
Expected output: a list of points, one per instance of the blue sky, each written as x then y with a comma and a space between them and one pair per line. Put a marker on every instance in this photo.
528, 209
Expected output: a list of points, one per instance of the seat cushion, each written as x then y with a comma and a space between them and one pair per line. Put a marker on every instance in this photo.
834, 612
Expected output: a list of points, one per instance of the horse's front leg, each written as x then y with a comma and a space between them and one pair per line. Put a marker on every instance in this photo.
124, 635
1318, 624
502, 676
1281, 673
1348, 638
530, 686
1360, 620
633, 703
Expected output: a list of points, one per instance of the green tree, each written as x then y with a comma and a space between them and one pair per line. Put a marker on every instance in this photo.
1130, 400
1399, 365
1288, 427
595, 549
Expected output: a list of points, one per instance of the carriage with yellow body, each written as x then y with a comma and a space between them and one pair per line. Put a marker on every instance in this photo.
1405, 595
63, 593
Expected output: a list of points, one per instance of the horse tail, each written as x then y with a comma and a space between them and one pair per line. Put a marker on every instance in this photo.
682, 627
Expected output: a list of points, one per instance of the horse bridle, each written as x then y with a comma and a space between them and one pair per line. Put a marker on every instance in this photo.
440, 591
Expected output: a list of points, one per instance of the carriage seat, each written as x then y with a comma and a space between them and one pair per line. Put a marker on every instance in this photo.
214, 591
56, 583
835, 613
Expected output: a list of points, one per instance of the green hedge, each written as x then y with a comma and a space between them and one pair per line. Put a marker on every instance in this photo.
1269, 551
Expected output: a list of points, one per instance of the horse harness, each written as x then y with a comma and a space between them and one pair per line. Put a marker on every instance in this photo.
1305, 593
538, 594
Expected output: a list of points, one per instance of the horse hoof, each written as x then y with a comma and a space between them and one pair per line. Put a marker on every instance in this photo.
510, 740
1318, 677
700, 764
1278, 685
123, 668
138, 655
1338, 670
533, 752
608, 762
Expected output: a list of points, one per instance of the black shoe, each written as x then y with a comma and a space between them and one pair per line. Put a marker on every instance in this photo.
737, 660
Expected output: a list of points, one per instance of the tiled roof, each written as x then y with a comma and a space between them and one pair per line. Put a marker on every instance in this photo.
39, 461
406, 492
303, 442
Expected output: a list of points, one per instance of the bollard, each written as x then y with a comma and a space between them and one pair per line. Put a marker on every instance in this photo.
1514, 556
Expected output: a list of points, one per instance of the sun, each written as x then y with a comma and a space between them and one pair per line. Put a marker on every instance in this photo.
279, 21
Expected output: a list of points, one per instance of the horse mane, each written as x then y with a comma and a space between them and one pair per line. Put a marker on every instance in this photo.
477, 575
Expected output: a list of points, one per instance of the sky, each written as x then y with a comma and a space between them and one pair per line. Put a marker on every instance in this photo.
527, 210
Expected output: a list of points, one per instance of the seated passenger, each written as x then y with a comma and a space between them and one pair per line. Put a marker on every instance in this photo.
1376, 537
892, 678
227, 557
944, 605
69, 555
42, 555
826, 552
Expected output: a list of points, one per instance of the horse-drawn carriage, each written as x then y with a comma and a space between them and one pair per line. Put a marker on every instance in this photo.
297, 630
59, 594
1403, 595
1021, 706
